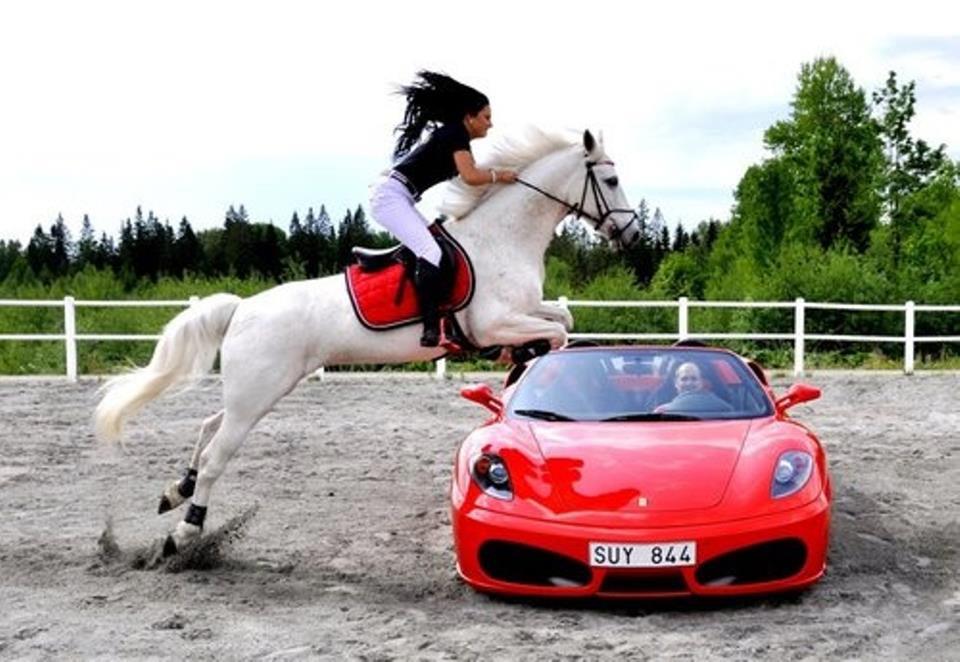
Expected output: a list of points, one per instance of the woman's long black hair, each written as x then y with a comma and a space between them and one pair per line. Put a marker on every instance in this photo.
432, 99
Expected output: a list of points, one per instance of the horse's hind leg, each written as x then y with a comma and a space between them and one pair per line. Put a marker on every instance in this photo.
180, 490
213, 460
249, 393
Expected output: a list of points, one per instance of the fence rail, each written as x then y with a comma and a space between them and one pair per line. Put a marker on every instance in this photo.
799, 336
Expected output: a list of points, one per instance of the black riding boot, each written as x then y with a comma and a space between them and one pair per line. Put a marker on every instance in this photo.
428, 284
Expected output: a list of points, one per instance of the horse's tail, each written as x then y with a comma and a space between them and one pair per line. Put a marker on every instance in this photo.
186, 350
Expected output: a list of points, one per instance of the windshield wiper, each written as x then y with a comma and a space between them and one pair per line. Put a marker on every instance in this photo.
652, 416
543, 415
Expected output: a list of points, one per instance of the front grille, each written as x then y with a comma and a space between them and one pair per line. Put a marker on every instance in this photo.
523, 564
766, 562
643, 583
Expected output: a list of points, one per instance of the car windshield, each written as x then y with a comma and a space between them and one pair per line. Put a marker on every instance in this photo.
642, 384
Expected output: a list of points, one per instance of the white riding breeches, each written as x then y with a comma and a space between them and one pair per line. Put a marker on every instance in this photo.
394, 207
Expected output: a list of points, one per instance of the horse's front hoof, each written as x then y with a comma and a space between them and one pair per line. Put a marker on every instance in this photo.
165, 505
169, 547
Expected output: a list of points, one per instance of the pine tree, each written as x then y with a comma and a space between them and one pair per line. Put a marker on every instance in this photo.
105, 254
237, 242
126, 251
63, 248
640, 256
187, 251
87, 245
909, 164
9, 254
344, 238
40, 253
297, 249
311, 245
327, 238
680, 239
270, 251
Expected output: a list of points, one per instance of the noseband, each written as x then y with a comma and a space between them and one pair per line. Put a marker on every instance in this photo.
591, 184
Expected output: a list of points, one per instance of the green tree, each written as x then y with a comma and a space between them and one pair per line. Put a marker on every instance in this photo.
766, 210
187, 251
909, 165
238, 243
327, 242
353, 231
832, 145
298, 249
680, 239
9, 253
641, 257
40, 254
63, 248
680, 274
269, 250
86, 245
106, 252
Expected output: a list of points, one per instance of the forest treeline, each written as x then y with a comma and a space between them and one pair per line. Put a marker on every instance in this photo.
848, 205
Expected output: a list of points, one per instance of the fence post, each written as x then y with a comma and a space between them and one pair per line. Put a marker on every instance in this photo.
70, 336
441, 369
683, 319
908, 337
798, 329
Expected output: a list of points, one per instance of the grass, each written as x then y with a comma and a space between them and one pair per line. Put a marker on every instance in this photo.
105, 357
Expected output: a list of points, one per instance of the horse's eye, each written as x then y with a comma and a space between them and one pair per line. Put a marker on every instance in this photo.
611, 182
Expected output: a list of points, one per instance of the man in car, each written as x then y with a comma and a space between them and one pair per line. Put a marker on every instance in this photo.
692, 394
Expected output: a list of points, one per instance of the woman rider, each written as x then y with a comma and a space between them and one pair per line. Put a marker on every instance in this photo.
456, 114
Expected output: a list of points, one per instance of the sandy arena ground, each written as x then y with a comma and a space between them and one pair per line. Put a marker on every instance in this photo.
329, 537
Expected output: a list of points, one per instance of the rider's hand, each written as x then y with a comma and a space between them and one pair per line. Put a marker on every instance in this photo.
506, 176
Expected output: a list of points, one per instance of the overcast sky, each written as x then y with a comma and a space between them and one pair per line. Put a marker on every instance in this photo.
185, 108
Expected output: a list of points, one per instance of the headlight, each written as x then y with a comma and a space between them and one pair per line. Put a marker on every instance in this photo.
490, 473
791, 473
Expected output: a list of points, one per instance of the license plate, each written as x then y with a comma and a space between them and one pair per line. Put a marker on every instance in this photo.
656, 555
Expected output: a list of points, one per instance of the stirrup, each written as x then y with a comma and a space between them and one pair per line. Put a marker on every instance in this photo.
446, 341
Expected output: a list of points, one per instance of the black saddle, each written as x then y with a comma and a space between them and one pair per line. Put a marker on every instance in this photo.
376, 259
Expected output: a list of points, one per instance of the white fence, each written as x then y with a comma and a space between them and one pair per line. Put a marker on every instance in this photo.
70, 337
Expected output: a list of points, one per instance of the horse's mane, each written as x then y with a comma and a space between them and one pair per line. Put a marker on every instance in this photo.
514, 152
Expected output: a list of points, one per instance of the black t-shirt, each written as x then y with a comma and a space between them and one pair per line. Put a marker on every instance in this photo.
432, 162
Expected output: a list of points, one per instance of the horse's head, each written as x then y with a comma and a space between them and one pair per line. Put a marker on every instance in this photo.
581, 178
602, 201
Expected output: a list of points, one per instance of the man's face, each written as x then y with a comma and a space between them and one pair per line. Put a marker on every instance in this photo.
688, 378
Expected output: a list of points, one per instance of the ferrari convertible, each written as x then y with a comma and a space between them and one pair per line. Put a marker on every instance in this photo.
640, 472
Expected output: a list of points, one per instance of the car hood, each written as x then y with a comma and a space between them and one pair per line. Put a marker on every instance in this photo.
639, 468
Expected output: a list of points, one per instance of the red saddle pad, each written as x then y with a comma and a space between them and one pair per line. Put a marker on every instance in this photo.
386, 299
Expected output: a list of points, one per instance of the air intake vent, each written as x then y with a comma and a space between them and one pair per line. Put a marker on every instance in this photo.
766, 562
644, 583
522, 564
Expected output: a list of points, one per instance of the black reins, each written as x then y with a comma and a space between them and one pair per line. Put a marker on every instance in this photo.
590, 183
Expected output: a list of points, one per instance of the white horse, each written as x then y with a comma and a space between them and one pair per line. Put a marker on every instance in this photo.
269, 342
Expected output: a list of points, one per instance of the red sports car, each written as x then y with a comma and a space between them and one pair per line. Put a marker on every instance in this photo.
640, 472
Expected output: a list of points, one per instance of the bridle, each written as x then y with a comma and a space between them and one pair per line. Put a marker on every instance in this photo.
591, 184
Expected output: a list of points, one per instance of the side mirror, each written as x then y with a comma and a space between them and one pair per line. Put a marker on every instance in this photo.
797, 394
482, 394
